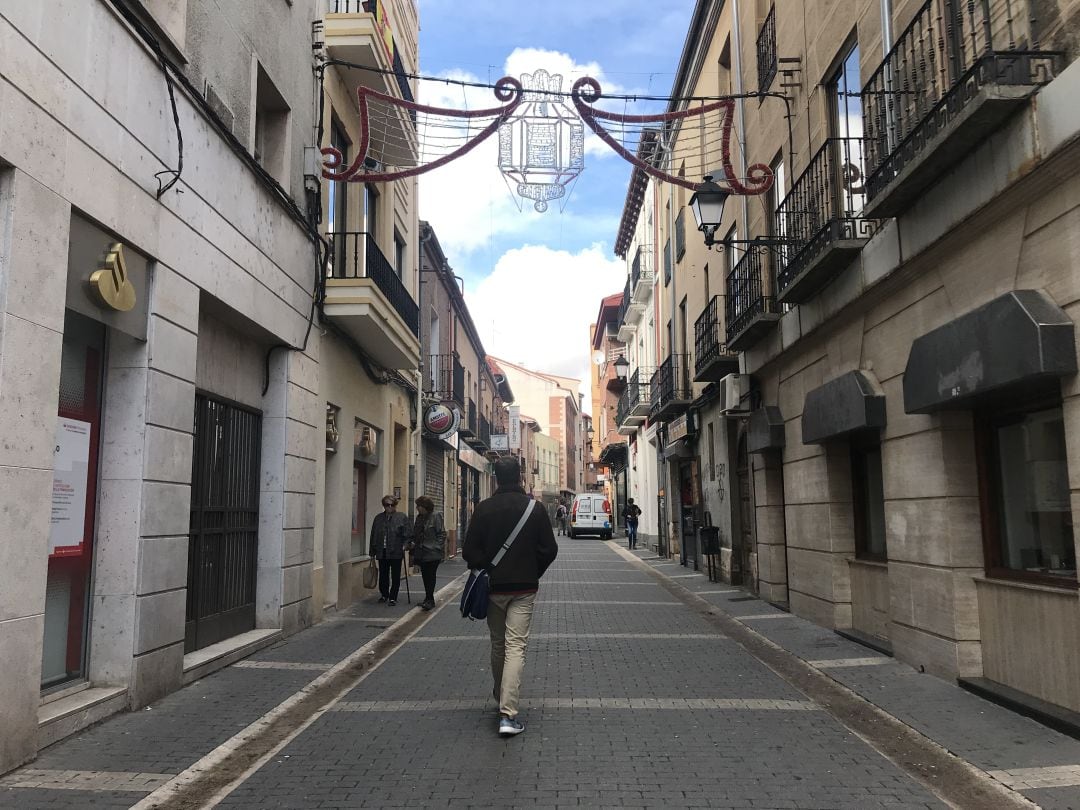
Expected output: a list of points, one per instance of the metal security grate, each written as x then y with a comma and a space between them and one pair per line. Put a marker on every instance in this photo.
223, 547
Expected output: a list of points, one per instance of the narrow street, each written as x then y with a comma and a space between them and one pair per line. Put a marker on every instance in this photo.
634, 696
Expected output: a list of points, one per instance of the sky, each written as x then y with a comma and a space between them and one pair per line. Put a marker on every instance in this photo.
534, 281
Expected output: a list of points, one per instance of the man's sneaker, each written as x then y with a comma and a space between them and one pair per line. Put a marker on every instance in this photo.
392, 602
509, 726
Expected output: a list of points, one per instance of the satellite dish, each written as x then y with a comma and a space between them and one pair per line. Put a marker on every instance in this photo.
598, 357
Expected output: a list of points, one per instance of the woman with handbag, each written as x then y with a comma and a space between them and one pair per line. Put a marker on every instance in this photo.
428, 545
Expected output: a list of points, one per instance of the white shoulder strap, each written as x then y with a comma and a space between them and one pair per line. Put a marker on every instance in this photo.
513, 535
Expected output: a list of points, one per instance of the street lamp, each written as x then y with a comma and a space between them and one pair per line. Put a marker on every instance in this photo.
707, 205
622, 367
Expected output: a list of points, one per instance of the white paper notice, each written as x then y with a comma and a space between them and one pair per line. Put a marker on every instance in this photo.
70, 469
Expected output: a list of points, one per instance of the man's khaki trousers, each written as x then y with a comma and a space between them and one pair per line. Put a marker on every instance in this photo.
509, 617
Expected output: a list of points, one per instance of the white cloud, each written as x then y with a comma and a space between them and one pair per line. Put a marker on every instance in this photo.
468, 200
536, 306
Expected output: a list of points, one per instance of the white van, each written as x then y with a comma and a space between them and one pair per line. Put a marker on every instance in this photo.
591, 514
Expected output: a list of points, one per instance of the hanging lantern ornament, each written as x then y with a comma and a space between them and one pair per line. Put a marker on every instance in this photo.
542, 145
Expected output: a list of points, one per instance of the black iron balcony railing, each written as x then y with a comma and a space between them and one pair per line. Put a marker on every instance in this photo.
639, 272
747, 295
355, 254
946, 55
710, 345
622, 410
670, 383
484, 433
351, 6
824, 205
766, 52
445, 378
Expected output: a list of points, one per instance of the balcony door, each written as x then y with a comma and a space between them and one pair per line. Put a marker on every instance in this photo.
846, 132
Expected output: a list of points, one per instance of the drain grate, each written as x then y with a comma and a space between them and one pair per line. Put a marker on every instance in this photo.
743, 599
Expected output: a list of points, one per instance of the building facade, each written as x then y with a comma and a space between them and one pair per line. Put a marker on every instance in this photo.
608, 446
156, 380
900, 433
369, 344
556, 404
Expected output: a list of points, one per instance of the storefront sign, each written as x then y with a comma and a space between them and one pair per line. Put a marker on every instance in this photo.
471, 458
107, 279
111, 283
679, 428
514, 413
70, 469
441, 420
500, 441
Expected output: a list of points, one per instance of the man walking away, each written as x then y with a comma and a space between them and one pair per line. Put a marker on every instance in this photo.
514, 581
560, 517
631, 513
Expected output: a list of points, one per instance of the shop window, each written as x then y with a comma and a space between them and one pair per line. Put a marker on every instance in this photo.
1024, 487
868, 498
74, 502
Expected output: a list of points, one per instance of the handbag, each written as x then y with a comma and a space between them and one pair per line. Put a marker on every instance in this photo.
371, 575
474, 599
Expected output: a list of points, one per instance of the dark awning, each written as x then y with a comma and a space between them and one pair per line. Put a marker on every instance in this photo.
766, 431
1020, 338
850, 403
614, 456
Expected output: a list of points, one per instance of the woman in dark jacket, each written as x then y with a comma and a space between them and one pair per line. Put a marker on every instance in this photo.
428, 545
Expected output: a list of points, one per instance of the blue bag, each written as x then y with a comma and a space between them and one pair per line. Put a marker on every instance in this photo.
474, 599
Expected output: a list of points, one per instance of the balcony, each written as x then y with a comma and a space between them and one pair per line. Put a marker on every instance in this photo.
670, 389
360, 31
629, 315
955, 74
712, 360
468, 428
445, 379
766, 52
822, 216
750, 310
365, 297
482, 440
635, 402
641, 275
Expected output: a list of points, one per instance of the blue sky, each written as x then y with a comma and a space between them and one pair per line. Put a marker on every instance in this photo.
534, 281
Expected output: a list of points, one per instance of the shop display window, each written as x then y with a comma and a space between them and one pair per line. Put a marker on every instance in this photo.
1024, 483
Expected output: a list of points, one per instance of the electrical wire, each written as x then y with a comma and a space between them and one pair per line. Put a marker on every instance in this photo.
268, 181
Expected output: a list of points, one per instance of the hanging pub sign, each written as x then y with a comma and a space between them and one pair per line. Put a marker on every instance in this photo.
441, 420
500, 442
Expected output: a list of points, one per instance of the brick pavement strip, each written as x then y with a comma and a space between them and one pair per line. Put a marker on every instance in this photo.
950, 777
624, 703
1046, 777
85, 780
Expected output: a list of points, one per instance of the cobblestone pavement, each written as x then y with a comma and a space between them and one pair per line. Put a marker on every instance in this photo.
633, 697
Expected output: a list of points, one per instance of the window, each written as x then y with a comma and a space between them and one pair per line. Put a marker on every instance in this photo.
271, 145
667, 262
399, 255
846, 127
337, 202
1024, 484
680, 235
868, 498
371, 210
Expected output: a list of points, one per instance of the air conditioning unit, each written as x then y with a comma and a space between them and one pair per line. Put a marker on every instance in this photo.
735, 395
